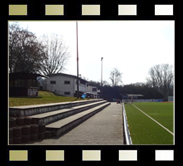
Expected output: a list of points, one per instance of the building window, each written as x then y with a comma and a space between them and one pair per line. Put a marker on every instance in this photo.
66, 93
52, 82
94, 89
66, 82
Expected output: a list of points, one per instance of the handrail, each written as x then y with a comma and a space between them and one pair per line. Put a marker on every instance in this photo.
126, 130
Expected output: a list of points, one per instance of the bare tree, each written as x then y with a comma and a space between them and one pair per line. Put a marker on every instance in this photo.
105, 83
161, 77
25, 52
115, 77
56, 52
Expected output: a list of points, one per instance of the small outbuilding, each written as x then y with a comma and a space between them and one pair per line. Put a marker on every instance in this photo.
93, 92
23, 84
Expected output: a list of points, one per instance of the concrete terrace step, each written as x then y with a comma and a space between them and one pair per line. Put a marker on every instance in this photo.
42, 108
53, 116
64, 125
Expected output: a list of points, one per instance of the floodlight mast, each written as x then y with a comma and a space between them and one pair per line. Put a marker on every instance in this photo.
77, 60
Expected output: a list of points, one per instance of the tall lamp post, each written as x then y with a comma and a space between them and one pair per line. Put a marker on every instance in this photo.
77, 60
101, 75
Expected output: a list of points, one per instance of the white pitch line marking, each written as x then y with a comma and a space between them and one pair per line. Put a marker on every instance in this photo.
154, 120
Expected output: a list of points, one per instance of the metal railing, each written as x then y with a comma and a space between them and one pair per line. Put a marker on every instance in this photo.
125, 127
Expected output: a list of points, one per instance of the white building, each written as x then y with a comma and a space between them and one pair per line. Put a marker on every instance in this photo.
65, 84
93, 92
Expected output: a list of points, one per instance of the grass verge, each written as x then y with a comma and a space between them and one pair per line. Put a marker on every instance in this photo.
43, 98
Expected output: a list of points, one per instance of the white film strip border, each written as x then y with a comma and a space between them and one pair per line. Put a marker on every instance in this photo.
91, 155
92, 10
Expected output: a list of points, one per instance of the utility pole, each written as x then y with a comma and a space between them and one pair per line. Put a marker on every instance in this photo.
77, 60
101, 75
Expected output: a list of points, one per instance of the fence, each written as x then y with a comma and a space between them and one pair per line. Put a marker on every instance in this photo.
128, 139
170, 98
143, 100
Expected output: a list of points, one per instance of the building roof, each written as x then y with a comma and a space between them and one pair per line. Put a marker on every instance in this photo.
69, 75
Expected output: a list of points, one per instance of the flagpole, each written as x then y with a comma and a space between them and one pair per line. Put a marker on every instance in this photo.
77, 60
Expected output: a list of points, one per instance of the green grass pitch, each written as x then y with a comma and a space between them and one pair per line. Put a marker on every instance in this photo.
143, 130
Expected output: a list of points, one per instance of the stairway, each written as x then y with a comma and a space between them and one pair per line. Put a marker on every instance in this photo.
56, 118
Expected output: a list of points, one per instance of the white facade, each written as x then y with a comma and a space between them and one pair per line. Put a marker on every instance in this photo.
82, 87
64, 84
93, 91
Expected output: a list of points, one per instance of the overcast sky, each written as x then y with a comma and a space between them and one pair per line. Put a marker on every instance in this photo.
131, 46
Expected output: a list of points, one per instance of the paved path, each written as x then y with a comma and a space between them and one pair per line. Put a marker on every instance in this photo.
104, 128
